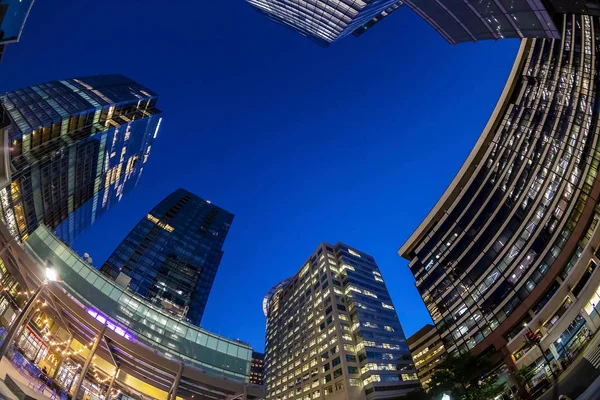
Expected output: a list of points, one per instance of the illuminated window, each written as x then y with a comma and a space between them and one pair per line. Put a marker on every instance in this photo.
355, 254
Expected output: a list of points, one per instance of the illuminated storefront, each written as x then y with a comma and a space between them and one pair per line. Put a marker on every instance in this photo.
32, 346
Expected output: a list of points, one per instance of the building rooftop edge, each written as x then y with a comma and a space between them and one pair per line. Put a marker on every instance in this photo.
421, 333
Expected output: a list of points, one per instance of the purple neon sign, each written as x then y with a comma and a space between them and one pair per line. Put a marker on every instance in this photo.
110, 324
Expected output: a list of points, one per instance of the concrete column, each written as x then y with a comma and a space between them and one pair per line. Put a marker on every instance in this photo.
112, 382
572, 296
88, 361
21, 320
173, 395
588, 320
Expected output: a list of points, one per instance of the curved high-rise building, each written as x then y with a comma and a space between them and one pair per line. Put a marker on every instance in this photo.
511, 245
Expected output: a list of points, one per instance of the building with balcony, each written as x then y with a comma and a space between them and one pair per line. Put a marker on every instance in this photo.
257, 368
72, 149
512, 243
427, 352
333, 332
172, 255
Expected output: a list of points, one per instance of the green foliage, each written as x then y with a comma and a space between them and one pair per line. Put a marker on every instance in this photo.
418, 395
465, 377
525, 374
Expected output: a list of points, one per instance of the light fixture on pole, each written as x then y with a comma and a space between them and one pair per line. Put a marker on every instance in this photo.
51, 276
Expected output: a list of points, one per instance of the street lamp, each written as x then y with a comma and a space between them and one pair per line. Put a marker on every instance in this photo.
50, 276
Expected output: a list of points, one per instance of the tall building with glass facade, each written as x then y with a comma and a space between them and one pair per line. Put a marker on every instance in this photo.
333, 332
13, 14
173, 253
513, 243
325, 21
471, 21
73, 148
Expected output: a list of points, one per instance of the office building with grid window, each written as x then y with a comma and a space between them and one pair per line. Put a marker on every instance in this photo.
427, 352
325, 21
512, 245
332, 332
73, 148
172, 255
257, 368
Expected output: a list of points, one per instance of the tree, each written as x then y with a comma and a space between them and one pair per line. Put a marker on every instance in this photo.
525, 374
418, 394
465, 377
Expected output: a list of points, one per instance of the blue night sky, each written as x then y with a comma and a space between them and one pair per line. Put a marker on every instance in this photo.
352, 143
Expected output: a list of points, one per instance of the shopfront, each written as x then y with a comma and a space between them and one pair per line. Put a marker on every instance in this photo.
32, 346
67, 374
92, 390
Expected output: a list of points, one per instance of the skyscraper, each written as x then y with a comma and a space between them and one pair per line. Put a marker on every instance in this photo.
332, 332
173, 253
73, 148
13, 14
326, 21
471, 21
512, 244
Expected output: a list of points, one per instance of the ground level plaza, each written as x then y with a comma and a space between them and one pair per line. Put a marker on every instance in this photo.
86, 336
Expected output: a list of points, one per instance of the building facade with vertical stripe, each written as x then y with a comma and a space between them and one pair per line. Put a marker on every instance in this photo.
512, 244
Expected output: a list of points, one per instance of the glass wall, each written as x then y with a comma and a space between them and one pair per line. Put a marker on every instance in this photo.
134, 318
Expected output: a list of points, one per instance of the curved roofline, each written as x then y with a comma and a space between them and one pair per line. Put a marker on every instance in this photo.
272, 291
470, 164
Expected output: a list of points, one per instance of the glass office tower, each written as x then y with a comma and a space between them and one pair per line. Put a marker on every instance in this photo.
462, 21
332, 332
173, 253
513, 243
13, 14
73, 148
326, 21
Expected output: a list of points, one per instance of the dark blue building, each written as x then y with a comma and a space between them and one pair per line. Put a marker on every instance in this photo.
13, 14
72, 149
173, 253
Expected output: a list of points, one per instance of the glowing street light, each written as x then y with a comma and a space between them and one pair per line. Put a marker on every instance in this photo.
51, 274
